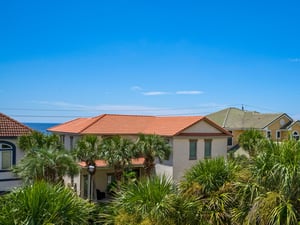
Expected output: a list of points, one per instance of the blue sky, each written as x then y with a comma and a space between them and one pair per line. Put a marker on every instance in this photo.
65, 59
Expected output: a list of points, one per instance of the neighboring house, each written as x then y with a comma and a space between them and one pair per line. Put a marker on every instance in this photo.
191, 138
10, 154
276, 126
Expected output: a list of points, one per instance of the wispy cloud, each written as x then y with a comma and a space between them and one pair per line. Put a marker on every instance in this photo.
295, 60
189, 92
92, 110
136, 88
60, 105
156, 93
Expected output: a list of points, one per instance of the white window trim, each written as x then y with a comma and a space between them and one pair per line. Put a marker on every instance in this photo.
269, 131
278, 132
297, 134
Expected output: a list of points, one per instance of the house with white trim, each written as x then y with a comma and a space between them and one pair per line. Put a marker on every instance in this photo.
10, 154
275, 126
191, 138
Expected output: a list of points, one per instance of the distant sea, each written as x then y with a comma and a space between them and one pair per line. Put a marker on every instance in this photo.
42, 127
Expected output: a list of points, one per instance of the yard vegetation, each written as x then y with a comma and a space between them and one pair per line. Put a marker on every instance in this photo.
262, 189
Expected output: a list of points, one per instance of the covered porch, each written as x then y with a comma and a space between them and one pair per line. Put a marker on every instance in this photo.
96, 182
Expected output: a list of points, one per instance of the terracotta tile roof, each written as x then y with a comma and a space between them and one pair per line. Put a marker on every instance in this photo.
74, 126
119, 124
110, 124
12, 128
170, 126
103, 163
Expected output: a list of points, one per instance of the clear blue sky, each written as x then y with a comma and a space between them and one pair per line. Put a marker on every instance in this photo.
65, 59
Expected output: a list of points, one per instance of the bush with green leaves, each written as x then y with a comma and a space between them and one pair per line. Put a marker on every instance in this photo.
44, 204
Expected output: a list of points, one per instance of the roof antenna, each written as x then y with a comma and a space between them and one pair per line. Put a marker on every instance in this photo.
243, 107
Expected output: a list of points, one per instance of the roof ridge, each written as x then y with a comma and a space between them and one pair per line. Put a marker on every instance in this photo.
226, 116
15, 121
70, 121
112, 114
93, 122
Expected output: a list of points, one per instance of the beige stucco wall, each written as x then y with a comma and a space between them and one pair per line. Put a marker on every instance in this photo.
164, 170
181, 161
201, 127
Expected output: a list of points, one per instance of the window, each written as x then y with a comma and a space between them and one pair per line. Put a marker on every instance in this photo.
62, 139
207, 148
111, 183
278, 134
296, 135
229, 140
7, 155
193, 150
269, 134
71, 142
85, 186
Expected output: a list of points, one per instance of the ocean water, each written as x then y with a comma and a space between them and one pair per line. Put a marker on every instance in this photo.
41, 127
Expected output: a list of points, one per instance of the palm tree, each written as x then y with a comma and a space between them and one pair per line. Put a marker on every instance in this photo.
251, 141
36, 140
117, 152
152, 146
46, 164
87, 149
45, 159
211, 183
271, 195
44, 204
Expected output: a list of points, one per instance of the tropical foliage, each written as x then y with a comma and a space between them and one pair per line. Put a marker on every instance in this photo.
262, 190
46, 164
149, 201
44, 204
272, 193
87, 149
151, 146
117, 152
252, 141
37, 140
211, 183
45, 159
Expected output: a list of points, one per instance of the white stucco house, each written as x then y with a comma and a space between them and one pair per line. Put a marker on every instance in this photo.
10, 154
191, 138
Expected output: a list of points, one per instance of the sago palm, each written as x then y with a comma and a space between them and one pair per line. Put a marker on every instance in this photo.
212, 182
274, 187
43, 204
148, 201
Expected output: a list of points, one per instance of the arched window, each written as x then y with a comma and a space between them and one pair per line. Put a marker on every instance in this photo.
7, 155
296, 135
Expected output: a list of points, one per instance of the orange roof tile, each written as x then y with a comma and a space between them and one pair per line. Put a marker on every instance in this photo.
119, 124
111, 124
74, 126
170, 126
103, 163
12, 128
